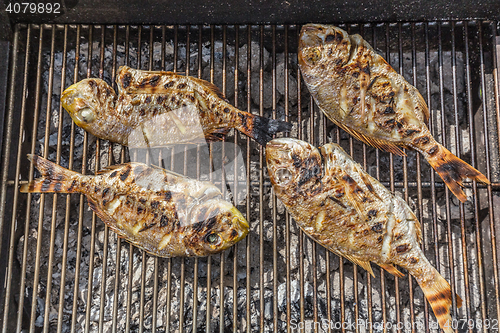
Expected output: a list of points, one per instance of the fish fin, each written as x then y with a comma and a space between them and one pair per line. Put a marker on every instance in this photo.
105, 217
260, 129
352, 191
421, 102
364, 264
391, 269
216, 134
55, 178
210, 86
109, 168
382, 145
453, 170
438, 292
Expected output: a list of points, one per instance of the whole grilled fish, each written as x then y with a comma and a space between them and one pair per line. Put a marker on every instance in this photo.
159, 108
361, 93
164, 213
350, 213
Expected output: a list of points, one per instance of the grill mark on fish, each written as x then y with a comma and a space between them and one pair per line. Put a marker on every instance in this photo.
433, 150
140, 209
372, 213
167, 195
423, 140
154, 204
181, 86
105, 191
308, 174
126, 79
402, 248
348, 180
337, 201
226, 110
169, 84
113, 174
147, 100
124, 175
154, 80
72, 186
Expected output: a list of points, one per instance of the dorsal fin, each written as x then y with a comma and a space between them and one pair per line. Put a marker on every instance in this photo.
210, 86
391, 269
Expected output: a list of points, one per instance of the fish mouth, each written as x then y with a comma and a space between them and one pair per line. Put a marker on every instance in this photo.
69, 99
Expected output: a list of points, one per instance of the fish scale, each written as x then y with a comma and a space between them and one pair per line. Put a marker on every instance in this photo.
164, 213
349, 212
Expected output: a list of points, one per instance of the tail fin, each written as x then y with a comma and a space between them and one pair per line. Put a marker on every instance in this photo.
438, 293
453, 170
261, 129
54, 178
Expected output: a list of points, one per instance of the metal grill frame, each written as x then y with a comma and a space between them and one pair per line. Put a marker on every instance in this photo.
25, 114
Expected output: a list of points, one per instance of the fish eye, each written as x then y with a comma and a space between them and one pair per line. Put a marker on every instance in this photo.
87, 115
313, 56
213, 239
283, 176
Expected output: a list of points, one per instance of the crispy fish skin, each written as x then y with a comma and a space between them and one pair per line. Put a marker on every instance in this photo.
161, 212
361, 93
350, 213
159, 108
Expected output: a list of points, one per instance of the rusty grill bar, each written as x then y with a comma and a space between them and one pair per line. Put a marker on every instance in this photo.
65, 272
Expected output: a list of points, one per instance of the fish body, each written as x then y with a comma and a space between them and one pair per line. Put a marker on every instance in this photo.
154, 109
350, 213
361, 93
164, 213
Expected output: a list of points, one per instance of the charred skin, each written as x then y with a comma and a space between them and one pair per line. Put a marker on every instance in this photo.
160, 108
361, 93
163, 213
350, 213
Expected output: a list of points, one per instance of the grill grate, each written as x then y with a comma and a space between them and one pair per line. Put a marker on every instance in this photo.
65, 272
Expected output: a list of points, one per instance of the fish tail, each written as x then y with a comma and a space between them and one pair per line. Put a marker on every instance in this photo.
453, 170
261, 129
54, 178
438, 292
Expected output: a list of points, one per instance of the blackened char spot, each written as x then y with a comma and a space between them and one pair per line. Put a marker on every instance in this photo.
377, 227
308, 173
390, 123
388, 110
169, 84
355, 75
226, 110
57, 186
372, 212
147, 100
140, 209
449, 172
46, 185
126, 79
155, 204
167, 195
92, 84
234, 233
105, 191
297, 161
413, 260
164, 221
181, 86
160, 99
154, 80
72, 186
366, 70
409, 132
210, 223
113, 174
147, 226
142, 200
124, 175
198, 227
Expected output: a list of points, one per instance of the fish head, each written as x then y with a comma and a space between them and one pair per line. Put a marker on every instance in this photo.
218, 225
88, 102
323, 46
294, 166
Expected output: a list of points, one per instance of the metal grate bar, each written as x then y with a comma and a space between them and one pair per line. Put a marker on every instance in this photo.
66, 272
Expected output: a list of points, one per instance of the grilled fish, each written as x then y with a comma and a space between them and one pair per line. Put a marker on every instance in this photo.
159, 211
361, 93
350, 213
154, 109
